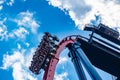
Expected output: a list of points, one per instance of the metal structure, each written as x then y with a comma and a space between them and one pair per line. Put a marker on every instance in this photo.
100, 49
45, 51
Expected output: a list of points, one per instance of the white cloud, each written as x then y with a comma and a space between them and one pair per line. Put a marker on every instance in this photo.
3, 30
20, 33
7, 2
83, 11
19, 63
62, 60
62, 76
19, 46
1, 7
20, 74
1, 4
10, 3
27, 20
27, 44
2, 1
9, 60
29, 57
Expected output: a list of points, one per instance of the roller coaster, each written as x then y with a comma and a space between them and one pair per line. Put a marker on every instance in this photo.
101, 48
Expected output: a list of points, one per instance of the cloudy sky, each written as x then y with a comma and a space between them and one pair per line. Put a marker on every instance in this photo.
22, 23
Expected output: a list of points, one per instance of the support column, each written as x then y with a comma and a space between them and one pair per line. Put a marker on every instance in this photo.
77, 63
82, 57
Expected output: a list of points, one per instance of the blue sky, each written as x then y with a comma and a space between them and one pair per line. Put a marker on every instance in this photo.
23, 22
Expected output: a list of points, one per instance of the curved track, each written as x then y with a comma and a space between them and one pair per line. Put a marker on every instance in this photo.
49, 72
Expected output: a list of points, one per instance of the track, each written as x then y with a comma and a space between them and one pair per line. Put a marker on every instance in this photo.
49, 72
98, 49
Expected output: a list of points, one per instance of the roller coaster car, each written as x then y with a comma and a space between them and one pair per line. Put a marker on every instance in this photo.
105, 32
38, 60
35, 66
56, 46
47, 34
55, 38
44, 52
35, 71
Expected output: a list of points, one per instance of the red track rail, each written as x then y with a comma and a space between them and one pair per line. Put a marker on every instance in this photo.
50, 70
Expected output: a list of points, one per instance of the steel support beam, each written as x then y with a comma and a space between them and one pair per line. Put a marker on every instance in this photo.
77, 64
81, 56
